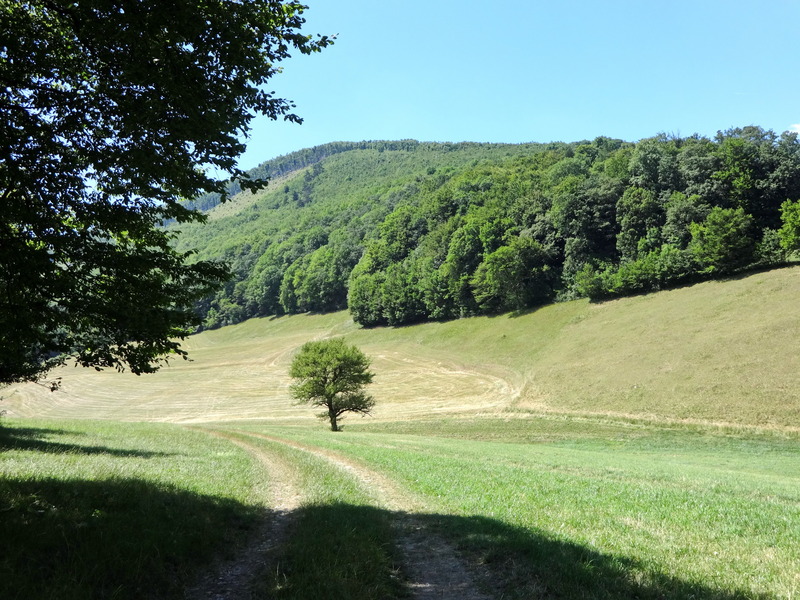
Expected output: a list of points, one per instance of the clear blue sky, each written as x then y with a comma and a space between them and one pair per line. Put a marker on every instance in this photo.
537, 70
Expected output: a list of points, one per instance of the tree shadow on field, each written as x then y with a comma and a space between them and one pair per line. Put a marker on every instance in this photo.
524, 312
515, 313
696, 278
121, 538
38, 440
337, 551
509, 562
535, 565
130, 539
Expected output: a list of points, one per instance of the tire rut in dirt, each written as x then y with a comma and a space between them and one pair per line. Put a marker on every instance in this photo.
433, 568
238, 577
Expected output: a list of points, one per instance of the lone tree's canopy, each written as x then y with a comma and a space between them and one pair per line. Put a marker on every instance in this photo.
111, 112
332, 375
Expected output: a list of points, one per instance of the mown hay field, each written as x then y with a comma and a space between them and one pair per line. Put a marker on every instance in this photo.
717, 352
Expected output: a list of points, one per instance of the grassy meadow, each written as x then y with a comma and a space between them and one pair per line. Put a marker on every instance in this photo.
108, 510
714, 353
613, 511
647, 447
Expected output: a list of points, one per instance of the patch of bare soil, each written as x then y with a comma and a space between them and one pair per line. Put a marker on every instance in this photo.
236, 577
432, 566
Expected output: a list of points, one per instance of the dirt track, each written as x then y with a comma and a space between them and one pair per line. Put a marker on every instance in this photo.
235, 578
432, 567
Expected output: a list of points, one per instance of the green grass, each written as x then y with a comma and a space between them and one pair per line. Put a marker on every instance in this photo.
106, 510
645, 447
551, 507
340, 546
656, 513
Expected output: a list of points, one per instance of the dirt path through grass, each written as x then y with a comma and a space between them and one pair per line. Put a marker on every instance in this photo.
434, 569
235, 578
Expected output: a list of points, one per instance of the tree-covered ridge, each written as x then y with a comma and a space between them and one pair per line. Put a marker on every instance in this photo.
300, 159
328, 209
404, 231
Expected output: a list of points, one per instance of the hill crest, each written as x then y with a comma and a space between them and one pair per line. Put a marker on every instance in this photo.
404, 232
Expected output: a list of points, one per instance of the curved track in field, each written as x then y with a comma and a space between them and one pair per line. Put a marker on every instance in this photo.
241, 385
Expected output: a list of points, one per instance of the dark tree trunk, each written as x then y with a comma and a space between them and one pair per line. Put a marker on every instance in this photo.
332, 415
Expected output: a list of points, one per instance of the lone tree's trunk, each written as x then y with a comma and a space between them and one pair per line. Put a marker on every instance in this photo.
332, 415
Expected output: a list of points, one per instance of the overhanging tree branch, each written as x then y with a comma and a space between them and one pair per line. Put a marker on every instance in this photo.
109, 112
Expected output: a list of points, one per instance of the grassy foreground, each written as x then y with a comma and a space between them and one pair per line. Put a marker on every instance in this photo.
643, 448
340, 544
108, 510
550, 507
599, 510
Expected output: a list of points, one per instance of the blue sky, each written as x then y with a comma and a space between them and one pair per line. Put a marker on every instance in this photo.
536, 70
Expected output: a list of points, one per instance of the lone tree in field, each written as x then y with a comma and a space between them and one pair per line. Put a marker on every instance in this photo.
332, 374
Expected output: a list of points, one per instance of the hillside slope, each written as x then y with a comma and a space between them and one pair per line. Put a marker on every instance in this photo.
719, 352
404, 232
292, 246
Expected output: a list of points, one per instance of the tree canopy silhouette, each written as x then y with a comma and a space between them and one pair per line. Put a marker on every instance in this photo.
111, 113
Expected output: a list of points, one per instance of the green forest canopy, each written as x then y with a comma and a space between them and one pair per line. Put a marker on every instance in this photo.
402, 232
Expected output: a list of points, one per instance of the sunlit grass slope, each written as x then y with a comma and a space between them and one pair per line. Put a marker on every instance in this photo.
719, 352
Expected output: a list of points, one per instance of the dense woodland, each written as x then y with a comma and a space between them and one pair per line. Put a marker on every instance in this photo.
402, 232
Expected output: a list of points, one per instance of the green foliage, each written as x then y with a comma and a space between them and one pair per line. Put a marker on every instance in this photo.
401, 296
365, 299
513, 277
654, 164
638, 213
790, 229
406, 231
108, 117
770, 250
758, 171
681, 212
332, 374
723, 242
658, 269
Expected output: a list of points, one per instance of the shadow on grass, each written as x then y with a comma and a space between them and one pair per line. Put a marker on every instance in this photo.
508, 561
37, 439
118, 538
695, 278
130, 539
535, 565
337, 552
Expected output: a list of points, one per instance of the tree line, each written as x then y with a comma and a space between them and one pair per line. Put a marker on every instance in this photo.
413, 232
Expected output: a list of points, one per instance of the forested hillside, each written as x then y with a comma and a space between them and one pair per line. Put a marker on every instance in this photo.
404, 231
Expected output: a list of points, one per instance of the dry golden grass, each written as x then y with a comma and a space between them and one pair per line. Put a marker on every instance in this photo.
717, 352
